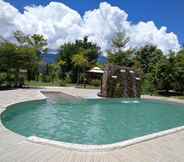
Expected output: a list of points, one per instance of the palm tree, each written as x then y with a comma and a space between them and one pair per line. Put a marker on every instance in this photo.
80, 62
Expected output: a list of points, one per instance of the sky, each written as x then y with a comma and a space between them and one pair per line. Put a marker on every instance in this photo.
158, 22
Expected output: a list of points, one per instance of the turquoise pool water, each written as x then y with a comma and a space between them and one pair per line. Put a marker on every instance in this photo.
92, 121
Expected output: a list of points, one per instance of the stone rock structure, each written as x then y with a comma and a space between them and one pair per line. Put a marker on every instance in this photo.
120, 82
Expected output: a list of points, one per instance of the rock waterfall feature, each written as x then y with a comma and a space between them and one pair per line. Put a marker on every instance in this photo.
120, 82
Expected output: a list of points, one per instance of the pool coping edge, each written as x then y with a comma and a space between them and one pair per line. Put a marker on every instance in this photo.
105, 147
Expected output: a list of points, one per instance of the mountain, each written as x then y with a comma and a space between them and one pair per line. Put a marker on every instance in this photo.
51, 58
102, 59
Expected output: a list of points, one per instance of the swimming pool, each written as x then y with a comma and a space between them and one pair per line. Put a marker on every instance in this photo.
97, 121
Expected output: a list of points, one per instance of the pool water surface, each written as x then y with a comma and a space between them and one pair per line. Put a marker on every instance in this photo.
97, 121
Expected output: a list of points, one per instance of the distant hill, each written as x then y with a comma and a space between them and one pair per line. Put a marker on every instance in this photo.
102, 59
51, 58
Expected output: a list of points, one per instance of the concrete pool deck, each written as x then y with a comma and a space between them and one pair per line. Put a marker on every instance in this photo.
16, 148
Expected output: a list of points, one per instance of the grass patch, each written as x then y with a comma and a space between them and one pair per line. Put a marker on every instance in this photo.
56, 84
179, 97
41, 84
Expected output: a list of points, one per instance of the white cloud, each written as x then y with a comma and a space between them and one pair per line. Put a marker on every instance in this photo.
60, 24
147, 33
101, 24
56, 21
7, 19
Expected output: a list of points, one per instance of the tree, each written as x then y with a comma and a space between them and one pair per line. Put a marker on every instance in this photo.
13, 59
148, 56
21, 38
36, 42
147, 61
120, 41
92, 51
66, 53
7, 56
178, 70
119, 55
26, 58
80, 62
122, 58
162, 75
7, 63
68, 50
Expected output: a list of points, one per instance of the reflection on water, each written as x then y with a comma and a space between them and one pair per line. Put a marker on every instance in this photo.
126, 102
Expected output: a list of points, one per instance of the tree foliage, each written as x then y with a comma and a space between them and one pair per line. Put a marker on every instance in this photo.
120, 41
20, 60
160, 72
13, 60
119, 55
148, 56
80, 61
84, 50
36, 41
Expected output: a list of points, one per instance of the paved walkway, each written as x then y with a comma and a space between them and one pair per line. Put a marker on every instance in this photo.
16, 148
77, 92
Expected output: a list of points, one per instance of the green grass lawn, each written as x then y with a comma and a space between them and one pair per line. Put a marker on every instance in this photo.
179, 97
40, 84
55, 84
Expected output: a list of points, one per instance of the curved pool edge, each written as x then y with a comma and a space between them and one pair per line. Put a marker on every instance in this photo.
162, 98
88, 148
106, 147
3, 107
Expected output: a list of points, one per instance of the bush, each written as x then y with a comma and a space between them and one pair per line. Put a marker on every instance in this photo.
68, 79
10, 80
62, 83
95, 83
45, 78
148, 85
2, 78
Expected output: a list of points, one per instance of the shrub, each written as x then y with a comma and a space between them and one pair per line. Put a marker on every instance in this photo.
68, 79
148, 85
2, 78
45, 78
62, 83
95, 82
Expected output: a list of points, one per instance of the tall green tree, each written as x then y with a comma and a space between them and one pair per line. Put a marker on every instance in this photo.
120, 41
21, 38
178, 70
68, 50
147, 62
26, 59
7, 64
39, 42
80, 61
36, 42
148, 56
119, 55
13, 60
